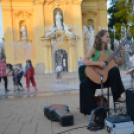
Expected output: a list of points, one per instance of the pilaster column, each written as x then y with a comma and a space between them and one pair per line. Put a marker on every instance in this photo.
70, 59
103, 18
8, 29
72, 55
103, 13
50, 59
39, 28
47, 55
78, 22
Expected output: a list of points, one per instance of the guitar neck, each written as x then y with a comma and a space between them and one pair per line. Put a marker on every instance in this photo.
113, 55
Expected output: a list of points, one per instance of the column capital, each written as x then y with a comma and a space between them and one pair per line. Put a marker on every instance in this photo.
76, 2
58, 2
6, 9
38, 2
6, 3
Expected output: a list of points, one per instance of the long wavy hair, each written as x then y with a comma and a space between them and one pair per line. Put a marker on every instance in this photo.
98, 42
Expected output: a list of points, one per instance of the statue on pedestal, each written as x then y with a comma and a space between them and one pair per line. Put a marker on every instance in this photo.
59, 21
91, 35
23, 31
90, 27
52, 32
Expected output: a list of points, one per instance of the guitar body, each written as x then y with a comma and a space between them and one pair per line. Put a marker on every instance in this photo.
94, 72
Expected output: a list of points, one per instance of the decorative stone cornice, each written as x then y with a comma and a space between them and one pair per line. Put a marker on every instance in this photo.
22, 15
6, 9
38, 2
58, 2
76, 2
90, 12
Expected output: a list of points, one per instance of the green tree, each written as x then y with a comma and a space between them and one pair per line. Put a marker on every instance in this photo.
111, 11
114, 21
125, 14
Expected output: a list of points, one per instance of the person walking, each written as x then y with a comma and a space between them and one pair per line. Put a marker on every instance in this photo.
17, 74
80, 62
3, 72
29, 74
59, 71
130, 62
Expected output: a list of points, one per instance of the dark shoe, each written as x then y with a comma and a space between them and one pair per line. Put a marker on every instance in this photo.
7, 90
16, 90
22, 89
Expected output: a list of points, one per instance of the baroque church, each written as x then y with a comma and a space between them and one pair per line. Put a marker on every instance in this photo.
51, 32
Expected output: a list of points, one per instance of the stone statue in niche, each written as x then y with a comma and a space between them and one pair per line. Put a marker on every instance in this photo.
91, 35
67, 30
90, 27
58, 20
23, 31
51, 33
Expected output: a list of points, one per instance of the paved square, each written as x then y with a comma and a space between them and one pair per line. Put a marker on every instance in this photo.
25, 115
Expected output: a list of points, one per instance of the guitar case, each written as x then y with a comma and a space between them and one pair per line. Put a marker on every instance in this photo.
59, 113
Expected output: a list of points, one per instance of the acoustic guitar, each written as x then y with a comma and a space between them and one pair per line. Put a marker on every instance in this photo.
94, 73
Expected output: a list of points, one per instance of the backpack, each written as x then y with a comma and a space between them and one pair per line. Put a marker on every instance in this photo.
100, 115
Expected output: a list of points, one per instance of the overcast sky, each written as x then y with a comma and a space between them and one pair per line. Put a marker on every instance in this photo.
1, 25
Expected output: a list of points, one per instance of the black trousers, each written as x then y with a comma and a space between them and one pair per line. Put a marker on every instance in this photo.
17, 79
88, 88
5, 81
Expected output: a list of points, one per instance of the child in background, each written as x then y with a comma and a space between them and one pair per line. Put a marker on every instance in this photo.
17, 74
59, 71
29, 74
3, 72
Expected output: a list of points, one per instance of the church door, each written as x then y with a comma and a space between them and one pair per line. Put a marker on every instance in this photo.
61, 57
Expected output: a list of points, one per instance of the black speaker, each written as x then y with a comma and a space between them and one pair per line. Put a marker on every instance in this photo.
130, 102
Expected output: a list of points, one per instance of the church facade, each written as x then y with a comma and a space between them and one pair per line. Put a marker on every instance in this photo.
50, 32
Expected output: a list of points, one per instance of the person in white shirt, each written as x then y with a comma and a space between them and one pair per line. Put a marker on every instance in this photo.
130, 63
59, 71
132, 60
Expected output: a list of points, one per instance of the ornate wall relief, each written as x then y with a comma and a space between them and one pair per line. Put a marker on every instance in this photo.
58, 19
23, 24
89, 18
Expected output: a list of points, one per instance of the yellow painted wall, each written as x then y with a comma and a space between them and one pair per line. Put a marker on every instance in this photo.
39, 14
100, 8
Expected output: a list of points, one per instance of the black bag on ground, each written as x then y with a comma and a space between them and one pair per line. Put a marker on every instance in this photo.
100, 115
59, 113
130, 102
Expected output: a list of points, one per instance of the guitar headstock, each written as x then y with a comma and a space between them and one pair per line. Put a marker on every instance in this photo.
126, 40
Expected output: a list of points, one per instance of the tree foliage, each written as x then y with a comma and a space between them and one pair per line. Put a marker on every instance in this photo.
121, 14
126, 14
111, 11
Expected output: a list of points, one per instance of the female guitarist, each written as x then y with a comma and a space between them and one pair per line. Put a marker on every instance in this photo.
87, 86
